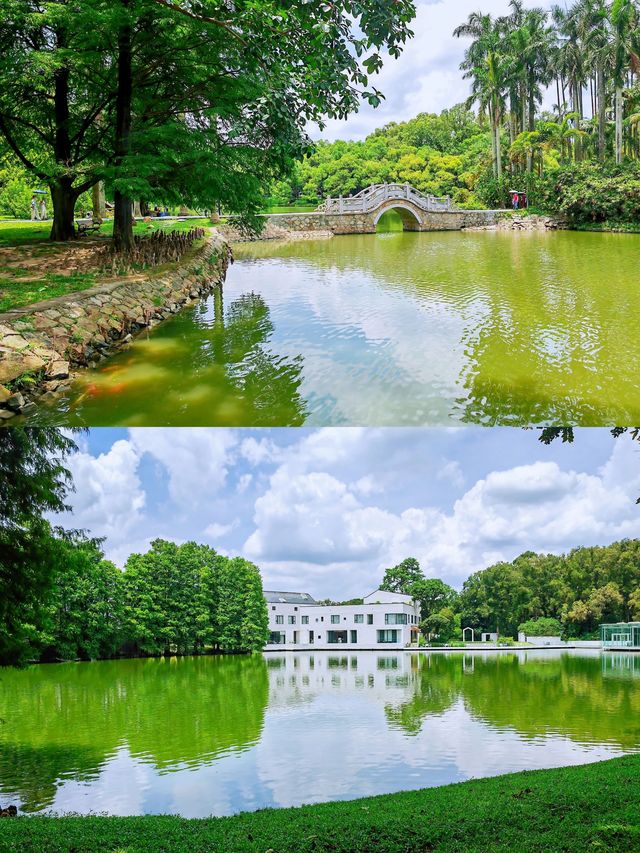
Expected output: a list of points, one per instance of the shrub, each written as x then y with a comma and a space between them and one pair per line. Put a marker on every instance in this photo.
543, 627
593, 192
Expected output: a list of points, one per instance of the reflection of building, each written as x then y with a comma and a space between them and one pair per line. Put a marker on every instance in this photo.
384, 620
621, 665
383, 678
621, 635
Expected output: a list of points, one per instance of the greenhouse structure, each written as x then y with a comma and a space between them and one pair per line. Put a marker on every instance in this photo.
621, 635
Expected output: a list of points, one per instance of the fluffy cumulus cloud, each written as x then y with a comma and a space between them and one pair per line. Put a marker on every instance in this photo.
196, 460
426, 77
108, 498
314, 527
327, 510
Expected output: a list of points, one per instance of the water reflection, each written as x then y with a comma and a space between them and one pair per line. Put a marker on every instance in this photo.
200, 736
395, 328
206, 366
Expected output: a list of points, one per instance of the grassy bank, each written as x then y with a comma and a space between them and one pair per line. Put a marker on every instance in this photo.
592, 807
14, 233
32, 269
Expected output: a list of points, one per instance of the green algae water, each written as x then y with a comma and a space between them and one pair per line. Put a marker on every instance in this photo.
401, 328
219, 735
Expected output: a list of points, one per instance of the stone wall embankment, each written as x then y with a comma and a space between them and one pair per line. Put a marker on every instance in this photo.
42, 344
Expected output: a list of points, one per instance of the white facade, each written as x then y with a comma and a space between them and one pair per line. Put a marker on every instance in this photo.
385, 620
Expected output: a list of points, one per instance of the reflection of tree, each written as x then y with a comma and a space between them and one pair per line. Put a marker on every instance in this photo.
542, 340
549, 347
574, 697
435, 682
67, 720
269, 383
566, 695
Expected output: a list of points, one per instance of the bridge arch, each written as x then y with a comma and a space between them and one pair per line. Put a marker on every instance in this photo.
410, 218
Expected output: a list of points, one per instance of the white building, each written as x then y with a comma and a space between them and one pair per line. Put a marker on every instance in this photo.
384, 620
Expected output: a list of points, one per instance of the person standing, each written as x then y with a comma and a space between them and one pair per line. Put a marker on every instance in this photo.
34, 208
43, 208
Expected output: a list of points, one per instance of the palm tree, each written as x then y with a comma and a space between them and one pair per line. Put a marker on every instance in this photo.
624, 20
486, 66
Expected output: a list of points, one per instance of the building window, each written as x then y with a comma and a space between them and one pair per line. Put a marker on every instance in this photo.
273, 607
277, 638
354, 636
359, 618
335, 620
395, 618
279, 620
369, 618
291, 620
389, 635
305, 620
336, 636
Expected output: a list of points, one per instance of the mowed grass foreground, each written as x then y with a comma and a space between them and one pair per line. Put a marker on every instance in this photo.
591, 807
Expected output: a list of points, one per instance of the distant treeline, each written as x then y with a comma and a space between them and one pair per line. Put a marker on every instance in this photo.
173, 599
441, 155
581, 589
541, 593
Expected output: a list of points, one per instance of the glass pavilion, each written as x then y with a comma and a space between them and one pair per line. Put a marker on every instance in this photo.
621, 635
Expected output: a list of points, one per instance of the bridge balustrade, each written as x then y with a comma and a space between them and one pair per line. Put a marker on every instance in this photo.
377, 194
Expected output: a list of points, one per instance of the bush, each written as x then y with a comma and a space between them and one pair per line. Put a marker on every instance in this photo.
543, 627
593, 192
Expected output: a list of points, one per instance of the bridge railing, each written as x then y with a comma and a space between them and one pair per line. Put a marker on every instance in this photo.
373, 196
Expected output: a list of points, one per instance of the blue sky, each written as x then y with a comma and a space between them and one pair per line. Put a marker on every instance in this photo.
426, 77
327, 510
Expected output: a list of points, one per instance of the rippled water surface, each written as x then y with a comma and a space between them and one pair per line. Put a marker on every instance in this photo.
396, 328
214, 736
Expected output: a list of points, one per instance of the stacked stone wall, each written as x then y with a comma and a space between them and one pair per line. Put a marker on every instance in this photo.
42, 344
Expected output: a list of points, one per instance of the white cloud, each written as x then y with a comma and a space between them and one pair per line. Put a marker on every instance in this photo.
331, 510
257, 452
109, 498
426, 77
452, 473
217, 531
196, 460
314, 527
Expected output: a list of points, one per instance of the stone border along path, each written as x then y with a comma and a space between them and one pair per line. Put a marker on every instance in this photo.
41, 344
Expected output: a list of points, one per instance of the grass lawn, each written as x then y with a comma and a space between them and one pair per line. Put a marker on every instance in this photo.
15, 294
32, 269
593, 807
13, 233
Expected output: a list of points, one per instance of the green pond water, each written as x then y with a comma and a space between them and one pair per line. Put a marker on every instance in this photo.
214, 736
393, 328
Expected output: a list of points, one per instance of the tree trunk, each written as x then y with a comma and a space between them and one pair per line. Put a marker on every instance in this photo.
63, 198
62, 194
618, 124
493, 149
577, 145
498, 153
99, 207
602, 106
122, 219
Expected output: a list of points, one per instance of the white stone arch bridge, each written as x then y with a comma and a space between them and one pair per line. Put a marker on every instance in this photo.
360, 214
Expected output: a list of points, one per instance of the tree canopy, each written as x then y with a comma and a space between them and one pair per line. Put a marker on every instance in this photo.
33, 481
199, 101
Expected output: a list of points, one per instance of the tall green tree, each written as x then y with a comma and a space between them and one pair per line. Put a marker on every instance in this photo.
84, 611
242, 610
401, 578
34, 481
56, 90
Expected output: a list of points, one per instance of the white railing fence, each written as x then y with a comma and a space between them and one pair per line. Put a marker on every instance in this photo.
372, 197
